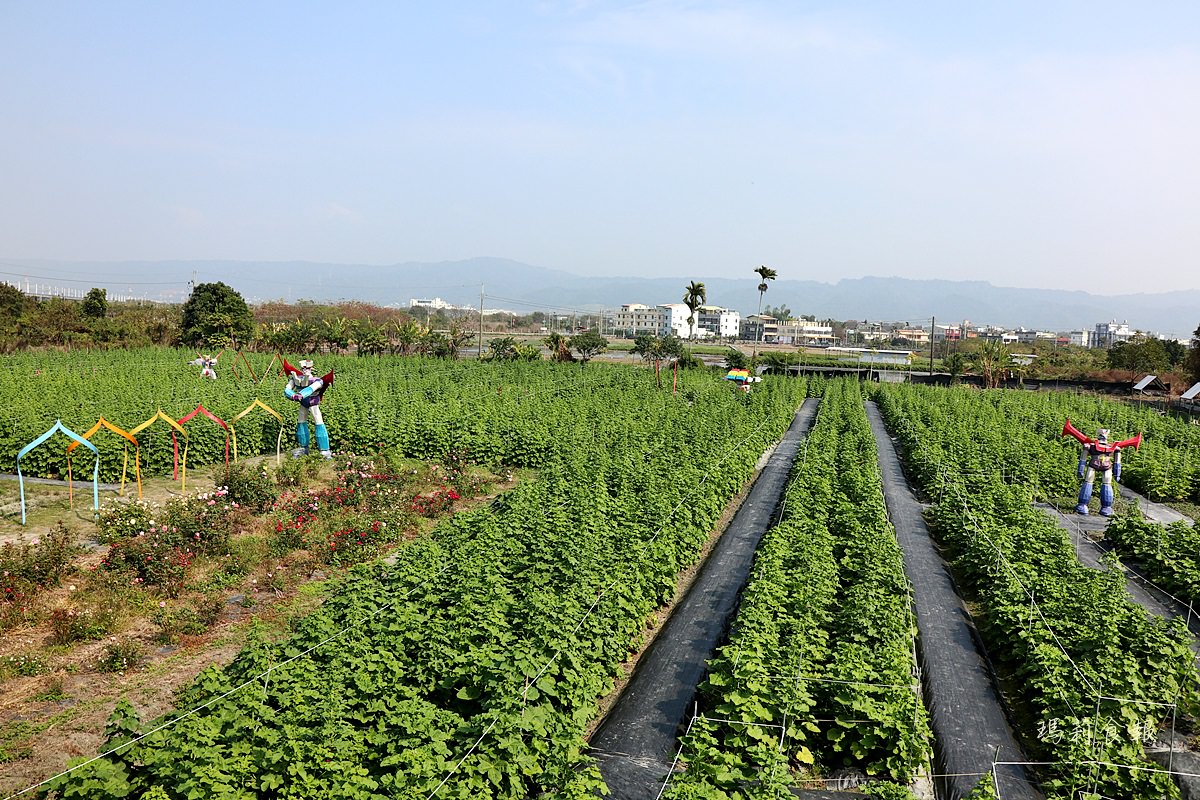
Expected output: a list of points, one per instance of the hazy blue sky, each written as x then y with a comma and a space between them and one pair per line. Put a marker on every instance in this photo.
1052, 144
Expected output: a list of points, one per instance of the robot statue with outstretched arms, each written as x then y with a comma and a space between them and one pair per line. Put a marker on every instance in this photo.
1099, 455
207, 364
305, 388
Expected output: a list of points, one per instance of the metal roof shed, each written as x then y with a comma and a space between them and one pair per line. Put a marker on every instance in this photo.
1151, 384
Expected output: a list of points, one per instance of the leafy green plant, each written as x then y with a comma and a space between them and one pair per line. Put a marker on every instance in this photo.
121, 655
75, 623
22, 665
28, 567
175, 623
983, 457
822, 641
251, 487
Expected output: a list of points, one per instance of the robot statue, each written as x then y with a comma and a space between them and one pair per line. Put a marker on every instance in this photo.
1099, 455
207, 364
306, 389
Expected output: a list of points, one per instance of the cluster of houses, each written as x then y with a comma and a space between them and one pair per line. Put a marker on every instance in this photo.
722, 324
715, 322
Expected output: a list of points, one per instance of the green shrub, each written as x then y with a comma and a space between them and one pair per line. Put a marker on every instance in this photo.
175, 623
21, 665
27, 567
121, 656
251, 487
80, 623
298, 472
122, 520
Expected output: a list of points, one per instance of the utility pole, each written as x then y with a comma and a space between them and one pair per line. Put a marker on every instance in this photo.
481, 322
932, 331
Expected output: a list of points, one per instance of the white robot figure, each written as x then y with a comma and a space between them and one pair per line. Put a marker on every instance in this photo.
208, 365
306, 389
1099, 455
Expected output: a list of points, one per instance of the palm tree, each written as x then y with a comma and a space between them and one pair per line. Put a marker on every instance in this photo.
408, 335
991, 359
956, 365
693, 297
764, 274
558, 346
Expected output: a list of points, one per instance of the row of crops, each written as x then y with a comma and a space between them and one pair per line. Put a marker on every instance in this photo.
500, 413
1092, 677
819, 671
472, 665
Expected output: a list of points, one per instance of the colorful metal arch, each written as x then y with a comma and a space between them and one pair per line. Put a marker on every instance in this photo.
58, 426
258, 404
176, 428
137, 452
233, 368
200, 409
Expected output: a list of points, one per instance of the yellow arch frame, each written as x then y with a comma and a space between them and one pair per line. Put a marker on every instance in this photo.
259, 404
137, 451
174, 439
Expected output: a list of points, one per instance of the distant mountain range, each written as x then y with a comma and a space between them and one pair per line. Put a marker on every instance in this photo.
524, 288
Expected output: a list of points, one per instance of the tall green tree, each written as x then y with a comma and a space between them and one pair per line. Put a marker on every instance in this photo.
13, 303
764, 274
559, 347
736, 359
991, 359
694, 296
1193, 359
1141, 354
588, 345
781, 313
1177, 352
336, 333
406, 336
503, 348
216, 315
956, 365
369, 339
95, 303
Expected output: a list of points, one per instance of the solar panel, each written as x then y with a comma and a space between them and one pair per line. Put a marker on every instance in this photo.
1144, 382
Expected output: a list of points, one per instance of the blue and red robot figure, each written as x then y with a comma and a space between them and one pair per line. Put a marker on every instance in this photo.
1099, 455
306, 388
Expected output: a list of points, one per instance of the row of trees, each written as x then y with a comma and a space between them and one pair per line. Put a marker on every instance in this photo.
216, 316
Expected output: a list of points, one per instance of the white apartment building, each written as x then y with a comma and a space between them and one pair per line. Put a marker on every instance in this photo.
633, 319
670, 319
1107, 334
714, 321
674, 322
758, 328
1026, 336
804, 332
914, 335
435, 303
